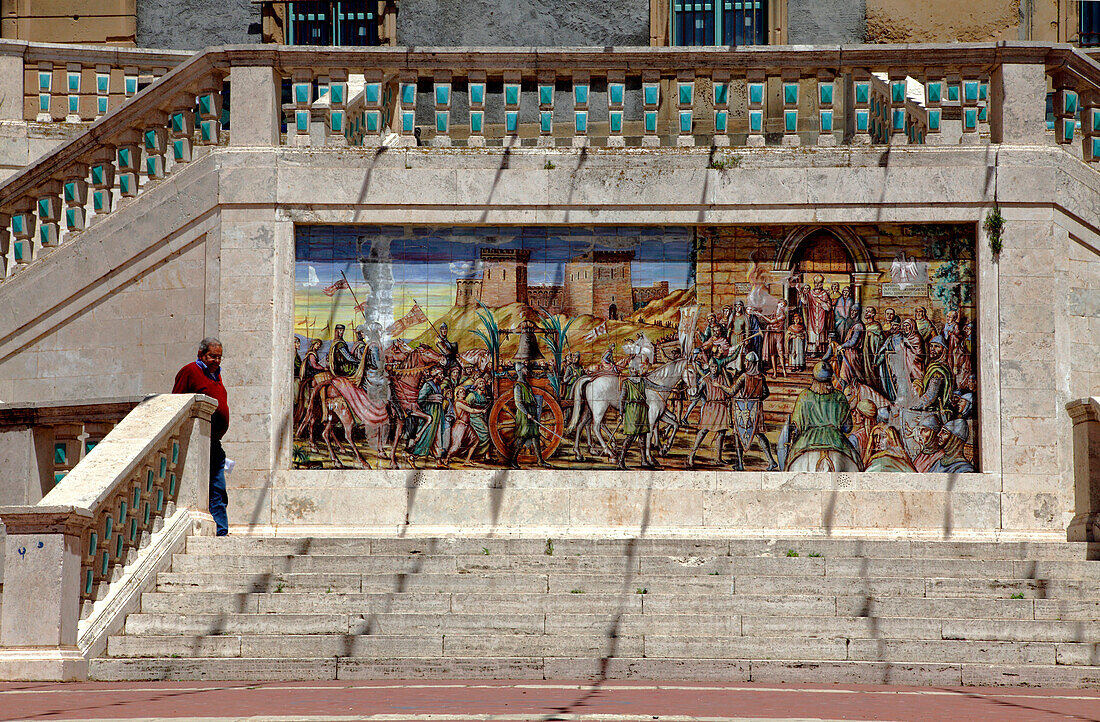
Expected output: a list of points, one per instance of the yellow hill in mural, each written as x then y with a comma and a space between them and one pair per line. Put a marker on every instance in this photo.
651, 320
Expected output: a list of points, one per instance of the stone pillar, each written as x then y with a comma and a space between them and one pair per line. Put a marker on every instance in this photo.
512, 95
1018, 102
194, 493
42, 593
651, 102
1086, 470
826, 86
11, 87
255, 112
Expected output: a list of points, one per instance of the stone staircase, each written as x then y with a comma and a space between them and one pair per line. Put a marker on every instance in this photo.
805, 610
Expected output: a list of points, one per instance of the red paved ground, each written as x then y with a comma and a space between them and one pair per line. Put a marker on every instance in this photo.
625, 701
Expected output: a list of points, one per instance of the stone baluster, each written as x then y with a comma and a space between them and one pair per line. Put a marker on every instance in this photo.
48, 203
476, 91
154, 141
546, 81
826, 88
72, 84
969, 102
128, 154
720, 84
582, 85
1090, 125
651, 102
789, 78
685, 105
103, 181
512, 95
5, 244
616, 97
209, 105
45, 93
129, 82
1065, 109
983, 106
102, 90
441, 93
74, 191
336, 128
181, 128
897, 82
861, 107
405, 108
934, 90
23, 226
756, 89
302, 95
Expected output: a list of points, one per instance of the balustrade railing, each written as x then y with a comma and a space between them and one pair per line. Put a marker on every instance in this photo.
89, 530
77, 83
911, 95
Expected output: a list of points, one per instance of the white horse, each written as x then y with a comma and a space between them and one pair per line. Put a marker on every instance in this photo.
817, 460
592, 397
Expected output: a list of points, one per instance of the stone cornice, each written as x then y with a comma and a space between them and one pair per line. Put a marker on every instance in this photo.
1084, 410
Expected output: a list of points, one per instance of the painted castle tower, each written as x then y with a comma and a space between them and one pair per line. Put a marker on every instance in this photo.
596, 283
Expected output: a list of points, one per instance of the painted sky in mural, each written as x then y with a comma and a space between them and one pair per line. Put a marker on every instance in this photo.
844, 348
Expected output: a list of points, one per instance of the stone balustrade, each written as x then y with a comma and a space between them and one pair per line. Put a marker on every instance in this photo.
912, 95
50, 82
68, 558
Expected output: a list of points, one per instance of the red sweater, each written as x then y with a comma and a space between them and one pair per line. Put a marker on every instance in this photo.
191, 379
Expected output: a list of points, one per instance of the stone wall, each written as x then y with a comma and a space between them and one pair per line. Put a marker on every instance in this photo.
1037, 310
522, 23
196, 24
814, 22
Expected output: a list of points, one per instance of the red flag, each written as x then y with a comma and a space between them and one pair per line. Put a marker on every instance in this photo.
362, 308
413, 317
336, 287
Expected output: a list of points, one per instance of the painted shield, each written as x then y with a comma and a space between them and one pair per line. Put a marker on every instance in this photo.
746, 415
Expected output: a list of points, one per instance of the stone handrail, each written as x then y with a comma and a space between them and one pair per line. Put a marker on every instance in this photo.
48, 82
614, 97
71, 557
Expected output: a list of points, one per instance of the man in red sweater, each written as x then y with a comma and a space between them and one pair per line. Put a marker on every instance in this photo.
204, 376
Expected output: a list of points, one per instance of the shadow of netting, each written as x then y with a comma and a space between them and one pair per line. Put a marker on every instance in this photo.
1013, 710
593, 690
498, 482
413, 480
368, 620
868, 612
505, 162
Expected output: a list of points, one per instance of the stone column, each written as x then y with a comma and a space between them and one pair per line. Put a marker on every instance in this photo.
11, 87
255, 113
1086, 470
1017, 104
194, 493
42, 593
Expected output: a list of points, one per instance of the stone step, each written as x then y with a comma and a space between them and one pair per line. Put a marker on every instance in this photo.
670, 669
534, 546
691, 564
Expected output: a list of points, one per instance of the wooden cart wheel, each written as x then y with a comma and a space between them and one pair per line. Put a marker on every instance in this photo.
502, 425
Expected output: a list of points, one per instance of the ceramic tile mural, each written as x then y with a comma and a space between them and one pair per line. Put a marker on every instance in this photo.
833, 348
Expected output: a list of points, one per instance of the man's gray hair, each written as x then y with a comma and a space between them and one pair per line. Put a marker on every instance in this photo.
206, 343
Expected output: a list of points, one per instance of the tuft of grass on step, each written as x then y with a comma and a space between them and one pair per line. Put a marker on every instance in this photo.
641, 590
485, 551
815, 555
1017, 595
792, 553
279, 587
576, 591
549, 551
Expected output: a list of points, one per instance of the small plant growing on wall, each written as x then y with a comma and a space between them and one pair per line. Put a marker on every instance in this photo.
994, 225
